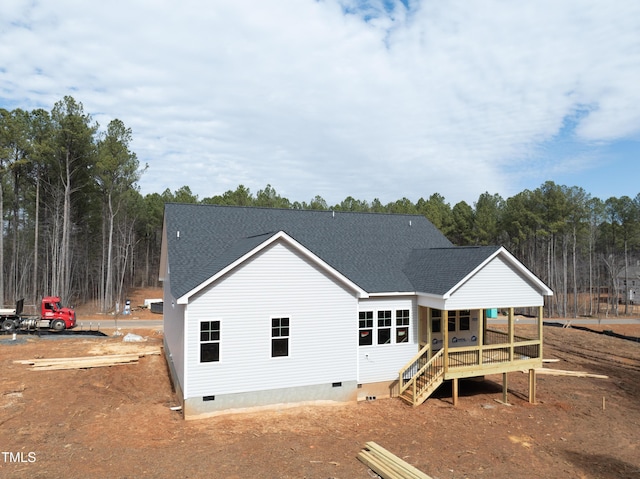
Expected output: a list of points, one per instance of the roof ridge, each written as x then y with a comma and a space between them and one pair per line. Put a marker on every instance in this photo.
296, 210
266, 233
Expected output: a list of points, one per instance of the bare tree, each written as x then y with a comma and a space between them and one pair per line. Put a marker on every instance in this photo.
116, 172
72, 156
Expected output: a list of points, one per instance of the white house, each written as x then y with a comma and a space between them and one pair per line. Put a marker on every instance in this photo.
629, 284
265, 307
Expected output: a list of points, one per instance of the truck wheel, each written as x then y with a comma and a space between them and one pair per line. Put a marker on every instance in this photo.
57, 325
8, 326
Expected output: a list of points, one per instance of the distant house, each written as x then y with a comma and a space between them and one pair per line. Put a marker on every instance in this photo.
265, 307
629, 283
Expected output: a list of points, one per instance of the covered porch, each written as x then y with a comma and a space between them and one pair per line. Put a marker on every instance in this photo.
462, 343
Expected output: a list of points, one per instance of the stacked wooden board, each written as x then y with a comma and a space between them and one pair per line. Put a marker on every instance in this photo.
85, 361
564, 372
387, 465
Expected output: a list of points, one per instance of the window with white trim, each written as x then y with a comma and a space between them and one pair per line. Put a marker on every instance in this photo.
209, 341
365, 328
387, 326
279, 337
384, 327
402, 325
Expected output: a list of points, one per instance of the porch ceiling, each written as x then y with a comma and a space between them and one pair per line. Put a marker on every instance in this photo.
452, 304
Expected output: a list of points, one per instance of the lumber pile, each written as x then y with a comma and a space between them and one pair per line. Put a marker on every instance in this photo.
84, 362
387, 465
564, 372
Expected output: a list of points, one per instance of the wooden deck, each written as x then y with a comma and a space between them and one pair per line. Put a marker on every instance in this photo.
496, 357
498, 352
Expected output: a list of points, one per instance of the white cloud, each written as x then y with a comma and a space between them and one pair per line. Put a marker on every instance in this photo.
448, 97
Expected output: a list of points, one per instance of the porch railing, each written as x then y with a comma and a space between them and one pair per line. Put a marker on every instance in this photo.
491, 336
495, 350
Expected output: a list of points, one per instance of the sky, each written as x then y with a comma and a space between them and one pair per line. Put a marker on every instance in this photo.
383, 99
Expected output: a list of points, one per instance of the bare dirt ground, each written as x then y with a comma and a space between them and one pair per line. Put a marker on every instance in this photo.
138, 311
116, 422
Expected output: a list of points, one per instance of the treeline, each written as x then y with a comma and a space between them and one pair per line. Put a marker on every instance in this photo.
73, 220
76, 225
580, 246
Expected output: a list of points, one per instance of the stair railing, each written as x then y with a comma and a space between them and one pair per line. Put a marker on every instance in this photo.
413, 374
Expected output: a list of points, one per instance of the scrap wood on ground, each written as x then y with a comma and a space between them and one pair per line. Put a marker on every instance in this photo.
564, 372
388, 465
85, 361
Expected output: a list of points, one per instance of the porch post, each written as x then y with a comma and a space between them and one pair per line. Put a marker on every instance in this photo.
532, 386
445, 339
540, 329
532, 372
427, 312
511, 326
481, 330
505, 387
485, 325
455, 391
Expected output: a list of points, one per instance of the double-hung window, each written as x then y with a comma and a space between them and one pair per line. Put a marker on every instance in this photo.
209, 341
279, 337
384, 327
402, 325
365, 328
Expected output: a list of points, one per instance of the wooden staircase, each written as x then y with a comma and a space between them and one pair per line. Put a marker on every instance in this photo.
421, 376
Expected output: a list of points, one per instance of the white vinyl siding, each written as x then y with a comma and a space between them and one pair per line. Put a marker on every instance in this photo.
278, 282
381, 362
173, 326
498, 284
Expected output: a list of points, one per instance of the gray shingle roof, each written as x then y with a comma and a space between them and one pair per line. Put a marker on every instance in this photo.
378, 252
437, 270
632, 273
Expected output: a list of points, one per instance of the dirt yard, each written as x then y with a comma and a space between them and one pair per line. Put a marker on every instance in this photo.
116, 422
